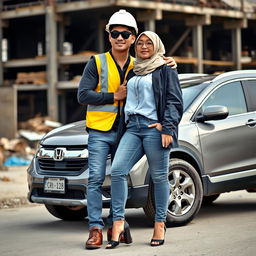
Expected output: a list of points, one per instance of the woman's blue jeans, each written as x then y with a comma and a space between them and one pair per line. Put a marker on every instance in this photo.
138, 140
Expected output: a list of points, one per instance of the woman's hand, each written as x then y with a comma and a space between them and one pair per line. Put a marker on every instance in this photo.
166, 138
158, 126
169, 61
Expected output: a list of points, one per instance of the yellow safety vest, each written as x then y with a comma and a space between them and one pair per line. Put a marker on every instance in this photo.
102, 117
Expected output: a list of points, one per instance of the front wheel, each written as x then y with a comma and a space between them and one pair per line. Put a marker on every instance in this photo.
186, 194
67, 212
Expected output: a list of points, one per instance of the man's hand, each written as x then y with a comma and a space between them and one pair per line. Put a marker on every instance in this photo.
166, 138
122, 92
169, 61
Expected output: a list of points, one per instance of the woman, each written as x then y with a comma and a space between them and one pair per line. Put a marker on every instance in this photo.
153, 111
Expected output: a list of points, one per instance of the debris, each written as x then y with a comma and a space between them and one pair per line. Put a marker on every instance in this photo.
52, 124
20, 151
31, 78
14, 152
31, 136
39, 124
16, 161
6, 203
5, 179
2, 157
15, 145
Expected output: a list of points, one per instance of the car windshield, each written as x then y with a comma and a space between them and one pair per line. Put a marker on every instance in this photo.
192, 88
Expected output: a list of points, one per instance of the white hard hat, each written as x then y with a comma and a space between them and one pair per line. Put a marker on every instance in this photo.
122, 17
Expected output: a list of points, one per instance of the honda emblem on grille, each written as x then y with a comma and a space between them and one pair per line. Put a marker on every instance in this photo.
59, 154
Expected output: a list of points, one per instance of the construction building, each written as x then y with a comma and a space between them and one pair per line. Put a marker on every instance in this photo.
45, 45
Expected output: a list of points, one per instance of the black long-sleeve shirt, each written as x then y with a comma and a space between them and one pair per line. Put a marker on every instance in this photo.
86, 92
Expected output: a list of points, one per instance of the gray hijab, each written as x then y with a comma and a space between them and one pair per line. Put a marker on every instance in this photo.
146, 66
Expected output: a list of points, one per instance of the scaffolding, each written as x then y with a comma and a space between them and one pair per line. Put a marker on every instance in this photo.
58, 38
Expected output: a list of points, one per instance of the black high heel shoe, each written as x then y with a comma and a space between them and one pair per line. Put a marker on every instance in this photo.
157, 242
127, 237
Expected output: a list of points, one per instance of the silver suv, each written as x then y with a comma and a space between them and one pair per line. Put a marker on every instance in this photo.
216, 154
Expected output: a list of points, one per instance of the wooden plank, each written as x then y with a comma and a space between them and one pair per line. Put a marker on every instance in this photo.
73, 59
67, 85
218, 63
253, 64
180, 41
30, 87
193, 60
29, 62
185, 60
24, 12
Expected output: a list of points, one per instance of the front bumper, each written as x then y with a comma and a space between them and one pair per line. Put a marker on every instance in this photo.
75, 193
76, 186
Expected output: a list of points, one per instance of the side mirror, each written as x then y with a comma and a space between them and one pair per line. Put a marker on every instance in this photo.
214, 112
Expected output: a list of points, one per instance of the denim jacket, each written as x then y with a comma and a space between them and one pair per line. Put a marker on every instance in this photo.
168, 100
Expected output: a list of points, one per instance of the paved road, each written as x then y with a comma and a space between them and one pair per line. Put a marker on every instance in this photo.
228, 227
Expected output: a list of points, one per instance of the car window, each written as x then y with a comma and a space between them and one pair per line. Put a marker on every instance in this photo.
190, 92
250, 92
230, 95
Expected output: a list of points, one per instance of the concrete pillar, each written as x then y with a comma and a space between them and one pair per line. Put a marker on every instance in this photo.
198, 47
197, 23
52, 67
149, 18
150, 25
242, 5
236, 47
62, 106
236, 26
61, 39
1, 37
101, 32
8, 112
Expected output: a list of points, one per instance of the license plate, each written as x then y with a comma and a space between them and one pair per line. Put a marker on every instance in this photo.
54, 185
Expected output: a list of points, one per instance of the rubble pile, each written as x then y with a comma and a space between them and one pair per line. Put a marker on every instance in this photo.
15, 148
31, 78
20, 151
39, 124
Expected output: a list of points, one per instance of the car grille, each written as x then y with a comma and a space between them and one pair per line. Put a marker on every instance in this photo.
73, 161
63, 166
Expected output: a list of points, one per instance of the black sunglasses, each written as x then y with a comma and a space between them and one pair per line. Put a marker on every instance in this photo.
125, 34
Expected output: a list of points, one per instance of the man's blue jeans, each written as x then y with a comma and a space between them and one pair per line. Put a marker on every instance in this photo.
100, 144
138, 140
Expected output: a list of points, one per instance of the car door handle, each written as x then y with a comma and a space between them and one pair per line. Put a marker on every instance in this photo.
251, 123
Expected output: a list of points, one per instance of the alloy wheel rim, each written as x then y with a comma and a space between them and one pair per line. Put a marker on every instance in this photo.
182, 193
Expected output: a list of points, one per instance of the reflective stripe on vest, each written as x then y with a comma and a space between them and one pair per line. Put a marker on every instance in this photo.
102, 117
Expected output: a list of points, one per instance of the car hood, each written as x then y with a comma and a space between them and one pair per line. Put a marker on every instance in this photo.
70, 134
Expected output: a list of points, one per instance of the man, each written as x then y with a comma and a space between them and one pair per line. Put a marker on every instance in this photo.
103, 89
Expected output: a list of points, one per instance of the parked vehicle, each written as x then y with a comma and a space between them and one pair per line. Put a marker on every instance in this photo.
216, 154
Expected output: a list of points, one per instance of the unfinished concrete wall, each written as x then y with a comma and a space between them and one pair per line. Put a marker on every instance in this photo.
8, 127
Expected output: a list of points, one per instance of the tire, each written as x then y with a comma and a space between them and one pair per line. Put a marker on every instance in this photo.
185, 188
67, 212
208, 200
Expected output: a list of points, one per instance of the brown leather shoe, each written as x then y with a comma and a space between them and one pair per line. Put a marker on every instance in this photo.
95, 238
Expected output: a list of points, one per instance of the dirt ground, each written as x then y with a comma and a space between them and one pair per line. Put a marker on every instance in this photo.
13, 187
